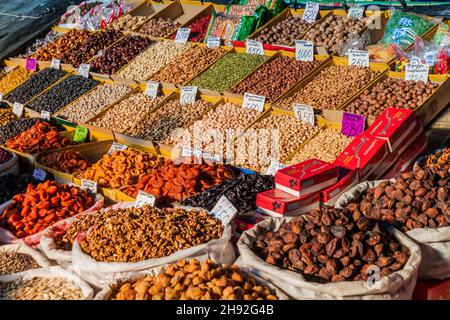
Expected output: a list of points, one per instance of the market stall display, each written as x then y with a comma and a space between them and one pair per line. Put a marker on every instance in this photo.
199, 29
159, 27
127, 23
284, 32
15, 127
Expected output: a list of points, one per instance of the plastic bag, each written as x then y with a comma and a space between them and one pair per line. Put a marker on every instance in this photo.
355, 42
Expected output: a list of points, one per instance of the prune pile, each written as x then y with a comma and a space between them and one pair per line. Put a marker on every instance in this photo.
10, 185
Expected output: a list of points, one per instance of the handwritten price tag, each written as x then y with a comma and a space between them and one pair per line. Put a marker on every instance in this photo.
83, 70
352, 124
311, 11
80, 134
304, 112
89, 185
355, 13
39, 174
182, 35
254, 102
189, 152
18, 109
56, 63
151, 89
213, 42
31, 64
143, 198
417, 72
208, 156
304, 50
358, 58
188, 95
274, 167
224, 210
254, 47
117, 147
45, 114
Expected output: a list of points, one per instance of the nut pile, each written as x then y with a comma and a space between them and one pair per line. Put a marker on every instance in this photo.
6, 116
192, 280
68, 161
12, 262
418, 199
87, 49
159, 27
122, 168
40, 137
152, 60
334, 32
330, 245
127, 113
10, 185
120, 54
15, 127
52, 35
63, 93
331, 88
284, 32
13, 78
93, 102
5, 155
392, 93
40, 289
43, 205
166, 119
439, 160
275, 77
241, 191
226, 72
127, 23
175, 182
198, 28
327, 145
188, 65
137, 234
37, 83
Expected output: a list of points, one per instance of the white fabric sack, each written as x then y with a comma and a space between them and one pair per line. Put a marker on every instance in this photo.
434, 242
21, 248
52, 272
398, 285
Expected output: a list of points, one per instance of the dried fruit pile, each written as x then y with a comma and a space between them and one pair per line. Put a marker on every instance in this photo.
68, 161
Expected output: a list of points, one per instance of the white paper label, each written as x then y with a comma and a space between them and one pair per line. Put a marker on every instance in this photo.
304, 50
304, 112
83, 70
224, 210
188, 95
45, 114
213, 42
274, 167
254, 102
355, 13
311, 11
39, 174
188, 152
1, 96
18, 109
182, 35
56, 63
208, 156
151, 90
416, 72
254, 47
117, 147
143, 198
89, 185
358, 58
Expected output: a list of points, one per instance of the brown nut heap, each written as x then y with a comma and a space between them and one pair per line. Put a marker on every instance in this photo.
275, 77
334, 32
330, 245
194, 280
12, 261
68, 161
331, 88
122, 168
284, 32
126, 23
439, 160
418, 199
138, 234
159, 27
392, 93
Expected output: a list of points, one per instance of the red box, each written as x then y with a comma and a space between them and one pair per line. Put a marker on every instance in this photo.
365, 154
331, 194
247, 222
383, 166
306, 177
275, 202
432, 290
395, 126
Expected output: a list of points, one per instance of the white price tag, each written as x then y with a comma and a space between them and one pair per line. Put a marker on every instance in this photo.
188, 152
39, 174
151, 89
304, 50
56, 63
213, 42
208, 156
359, 58
18, 109
143, 198
254, 102
1, 96
311, 11
304, 112
188, 95
355, 13
89, 185
45, 114
182, 35
224, 210
274, 167
83, 70
117, 147
254, 47
416, 72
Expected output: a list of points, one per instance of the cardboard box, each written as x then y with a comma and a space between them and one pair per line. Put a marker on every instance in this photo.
243, 223
277, 203
331, 194
306, 177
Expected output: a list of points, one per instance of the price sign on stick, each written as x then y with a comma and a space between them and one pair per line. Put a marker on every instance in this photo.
117, 147
18, 109
358, 58
182, 35
254, 102
80, 134
254, 47
311, 11
304, 50
31, 64
352, 124
56, 63
39, 174
83, 70
151, 90
188, 95
45, 114
89, 185
213, 42
416, 72
143, 198
224, 210
304, 112
355, 13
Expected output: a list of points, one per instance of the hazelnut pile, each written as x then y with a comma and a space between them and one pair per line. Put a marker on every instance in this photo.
284, 32
159, 27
